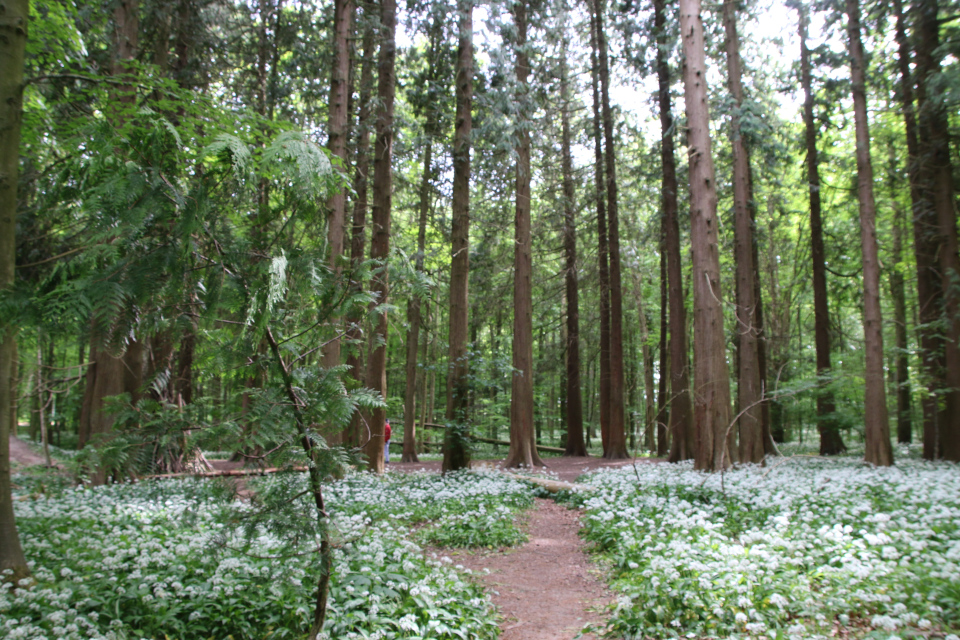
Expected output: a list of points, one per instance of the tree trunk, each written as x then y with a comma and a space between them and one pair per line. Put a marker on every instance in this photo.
616, 443
575, 446
646, 353
900, 370
831, 443
711, 376
925, 247
603, 248
663, 411
876, 430
12, 47
414, 318
380, 223
455, 451
338, 125
682, 438
750, 390
936, 180
523, 450
354, 335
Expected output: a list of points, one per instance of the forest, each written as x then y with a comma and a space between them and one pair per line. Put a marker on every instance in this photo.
682, 275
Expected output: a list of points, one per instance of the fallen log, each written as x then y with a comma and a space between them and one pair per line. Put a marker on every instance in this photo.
541, 447
222, 473
553, 486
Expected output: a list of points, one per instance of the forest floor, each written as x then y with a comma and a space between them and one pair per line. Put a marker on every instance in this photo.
549, 588
546, 589
22, 455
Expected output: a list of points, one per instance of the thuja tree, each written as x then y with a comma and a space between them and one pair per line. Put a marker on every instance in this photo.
175, 223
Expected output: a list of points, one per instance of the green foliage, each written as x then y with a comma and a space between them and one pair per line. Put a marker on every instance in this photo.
168, 557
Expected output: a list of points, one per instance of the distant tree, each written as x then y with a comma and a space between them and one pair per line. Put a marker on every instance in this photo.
361, 187
711, 384
930, 340
574, 407
603, 244
616, 446
876, 429
12, 47
831, 442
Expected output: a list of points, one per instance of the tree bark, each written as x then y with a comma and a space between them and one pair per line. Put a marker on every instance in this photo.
523, 451
663, 388
831, 442
749, 386
682, 437
380, 223
456, 454
711, 375
936, 181
929, 294
575, 445
876, 430
901, 369
12, 46
616, 443
354, 335
338, 126
603, 246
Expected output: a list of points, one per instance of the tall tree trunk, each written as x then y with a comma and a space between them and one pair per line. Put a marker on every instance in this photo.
831, 443
711, 376
12, 47
936, 180
414, 319
523, 450
41, 389
616, 442
663, 410
603, 246
456, 454
682, 437
750, 390
575, 445
877, 429
354, 335
338, 126
646, 354
768, 445
925, 245
380, 225
901, 369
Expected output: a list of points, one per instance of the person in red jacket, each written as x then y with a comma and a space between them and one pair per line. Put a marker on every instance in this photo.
386, 441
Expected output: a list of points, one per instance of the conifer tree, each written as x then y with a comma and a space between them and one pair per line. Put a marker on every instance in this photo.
711, 383
455, 452
523, 447
876, 428
380, 226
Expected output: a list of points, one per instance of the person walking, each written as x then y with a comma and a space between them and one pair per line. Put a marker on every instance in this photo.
386, 441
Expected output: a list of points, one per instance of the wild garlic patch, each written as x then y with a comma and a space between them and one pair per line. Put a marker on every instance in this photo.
158, 558
783, 552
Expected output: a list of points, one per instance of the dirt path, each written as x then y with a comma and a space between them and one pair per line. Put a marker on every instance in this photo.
547, 589
21, 455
